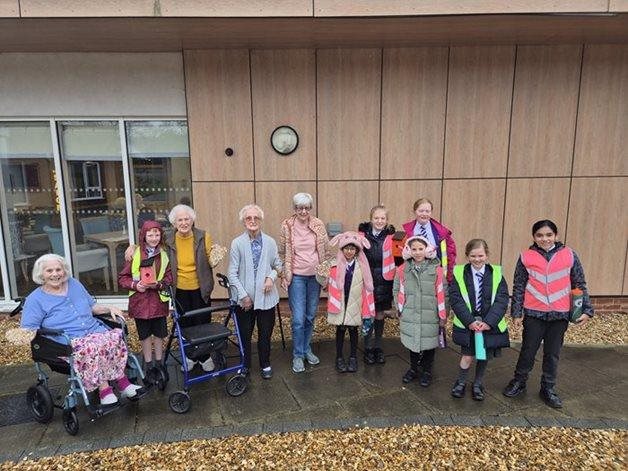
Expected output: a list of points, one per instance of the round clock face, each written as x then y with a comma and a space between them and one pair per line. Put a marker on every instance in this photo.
284, 140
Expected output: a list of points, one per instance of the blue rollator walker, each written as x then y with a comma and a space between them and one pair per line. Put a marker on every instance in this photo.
212, 338
60, 359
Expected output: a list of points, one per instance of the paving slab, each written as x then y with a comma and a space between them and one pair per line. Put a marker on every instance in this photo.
593, 384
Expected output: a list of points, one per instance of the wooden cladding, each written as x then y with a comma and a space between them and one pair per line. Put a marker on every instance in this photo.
497, 137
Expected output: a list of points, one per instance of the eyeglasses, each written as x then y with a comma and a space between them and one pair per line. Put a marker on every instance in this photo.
302, 208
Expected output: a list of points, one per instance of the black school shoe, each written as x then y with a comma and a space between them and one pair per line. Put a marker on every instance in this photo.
514, 388
369, 356
352, 366
341, 366
266, 373
550, 398
477, 393
458, 390
426, 379
380, 359
410, 376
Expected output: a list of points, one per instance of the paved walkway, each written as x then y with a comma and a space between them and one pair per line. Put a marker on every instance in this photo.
593, 383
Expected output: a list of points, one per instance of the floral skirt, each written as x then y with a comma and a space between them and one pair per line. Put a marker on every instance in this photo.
99, 357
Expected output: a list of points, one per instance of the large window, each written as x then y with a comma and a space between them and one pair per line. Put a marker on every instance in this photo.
66, 187
160, 167
28, 199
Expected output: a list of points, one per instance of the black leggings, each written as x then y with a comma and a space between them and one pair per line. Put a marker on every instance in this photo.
340, 338
423, 360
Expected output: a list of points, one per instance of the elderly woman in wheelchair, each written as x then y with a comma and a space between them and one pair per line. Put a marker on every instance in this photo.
71, 335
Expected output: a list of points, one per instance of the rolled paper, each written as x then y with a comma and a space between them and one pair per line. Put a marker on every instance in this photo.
576, 304
480, 351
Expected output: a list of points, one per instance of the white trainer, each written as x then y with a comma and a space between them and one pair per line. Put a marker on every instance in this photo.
190, 364
130, 390
109, 399
208, 365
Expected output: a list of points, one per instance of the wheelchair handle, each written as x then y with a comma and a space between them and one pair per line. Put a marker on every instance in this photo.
18, 308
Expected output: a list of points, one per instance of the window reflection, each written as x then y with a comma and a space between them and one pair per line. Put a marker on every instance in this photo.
160, 166
28, 198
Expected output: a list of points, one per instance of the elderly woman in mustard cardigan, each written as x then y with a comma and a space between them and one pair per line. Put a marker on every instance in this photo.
254, 264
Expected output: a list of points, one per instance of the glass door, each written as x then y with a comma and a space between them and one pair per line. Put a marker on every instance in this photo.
96, 201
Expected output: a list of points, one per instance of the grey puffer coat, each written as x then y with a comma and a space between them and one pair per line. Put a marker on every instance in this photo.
419, 317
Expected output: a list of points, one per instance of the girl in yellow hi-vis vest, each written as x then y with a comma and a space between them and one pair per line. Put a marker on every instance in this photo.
479, 299
146, 276
420, 294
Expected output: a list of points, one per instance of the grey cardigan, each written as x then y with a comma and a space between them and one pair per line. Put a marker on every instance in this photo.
243, 277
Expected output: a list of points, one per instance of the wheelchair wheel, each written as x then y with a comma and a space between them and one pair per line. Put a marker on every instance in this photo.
39, 401
70, 421
236, 385
179, 402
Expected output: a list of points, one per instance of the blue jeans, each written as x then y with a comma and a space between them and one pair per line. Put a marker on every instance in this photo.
303, 295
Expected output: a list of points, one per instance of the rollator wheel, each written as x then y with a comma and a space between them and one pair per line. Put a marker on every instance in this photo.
39, 401
70, 421
236, 385
179, 402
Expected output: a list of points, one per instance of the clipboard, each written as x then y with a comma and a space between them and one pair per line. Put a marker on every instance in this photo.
147, 272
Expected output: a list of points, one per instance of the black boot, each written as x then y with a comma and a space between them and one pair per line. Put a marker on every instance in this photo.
550, 397
458, 390
410, 375
380, 359
426, 378
369, 356
341, 366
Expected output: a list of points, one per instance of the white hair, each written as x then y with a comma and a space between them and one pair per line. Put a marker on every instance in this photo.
38, 267
172, 216
303, 199
244, 209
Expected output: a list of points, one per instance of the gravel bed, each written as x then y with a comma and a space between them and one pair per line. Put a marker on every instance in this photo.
407, 447
603, 329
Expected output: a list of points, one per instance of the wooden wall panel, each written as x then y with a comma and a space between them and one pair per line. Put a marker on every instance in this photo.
453, 7
527, 201
602, 135
348, 107
347, 202
625, 282
218, 95
220, 217
414, 94
284, 92
478, 111
598, 230
229, 8
399, 196
9, 8
544, 111
474, 209
275, 198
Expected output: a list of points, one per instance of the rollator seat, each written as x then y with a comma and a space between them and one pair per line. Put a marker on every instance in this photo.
205, 333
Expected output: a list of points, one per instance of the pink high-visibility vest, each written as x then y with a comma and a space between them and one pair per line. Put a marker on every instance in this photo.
335, 294
549, 283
